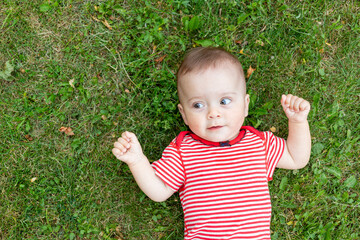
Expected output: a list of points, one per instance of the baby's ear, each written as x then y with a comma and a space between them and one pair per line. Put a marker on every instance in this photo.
182, 112
246, 107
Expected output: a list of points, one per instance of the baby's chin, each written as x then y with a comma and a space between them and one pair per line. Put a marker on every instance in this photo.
218, 138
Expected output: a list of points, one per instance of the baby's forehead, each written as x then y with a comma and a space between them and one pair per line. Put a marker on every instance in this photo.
196, 80
197, 73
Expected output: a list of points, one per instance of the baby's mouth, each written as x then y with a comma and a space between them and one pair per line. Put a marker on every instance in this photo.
214, 127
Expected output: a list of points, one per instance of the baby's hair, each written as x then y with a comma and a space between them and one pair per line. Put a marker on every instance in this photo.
202, 58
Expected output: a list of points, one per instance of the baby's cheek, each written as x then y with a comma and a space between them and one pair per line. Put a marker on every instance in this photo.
195, 125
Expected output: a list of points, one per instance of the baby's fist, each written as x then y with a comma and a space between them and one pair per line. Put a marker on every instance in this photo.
127, 148
295, 108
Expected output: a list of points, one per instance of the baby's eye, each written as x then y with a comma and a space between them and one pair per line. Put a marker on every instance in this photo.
198, 105
225, 101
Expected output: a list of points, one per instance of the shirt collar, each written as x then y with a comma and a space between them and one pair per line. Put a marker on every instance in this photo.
220, 144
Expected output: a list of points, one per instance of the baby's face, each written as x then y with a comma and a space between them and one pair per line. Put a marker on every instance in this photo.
214, 103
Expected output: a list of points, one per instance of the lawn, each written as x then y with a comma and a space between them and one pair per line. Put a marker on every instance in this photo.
75, 74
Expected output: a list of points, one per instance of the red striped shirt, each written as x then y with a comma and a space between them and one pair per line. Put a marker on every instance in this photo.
223, 190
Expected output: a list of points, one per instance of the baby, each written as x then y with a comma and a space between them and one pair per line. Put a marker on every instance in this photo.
220, 168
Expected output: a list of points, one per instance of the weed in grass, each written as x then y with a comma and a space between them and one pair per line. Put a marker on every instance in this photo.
6, 72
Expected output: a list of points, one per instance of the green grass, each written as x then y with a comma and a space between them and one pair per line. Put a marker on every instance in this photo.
71, 70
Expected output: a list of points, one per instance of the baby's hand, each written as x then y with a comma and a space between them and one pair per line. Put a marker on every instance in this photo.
127, 148
295, 108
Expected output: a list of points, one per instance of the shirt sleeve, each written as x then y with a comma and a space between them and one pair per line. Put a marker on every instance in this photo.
169, 167
274, 150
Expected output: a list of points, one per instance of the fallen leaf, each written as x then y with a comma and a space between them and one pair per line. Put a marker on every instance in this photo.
62, 129
107, 24
160, 59
103, 117
273, 129
29, 138
259, 42
127, 90
250, 71
22, 70
321, 50
242, 52
67, 130
291, 223
33, 179
71, 82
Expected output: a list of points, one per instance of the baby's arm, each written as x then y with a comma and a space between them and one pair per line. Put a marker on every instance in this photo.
298, 144
128, 150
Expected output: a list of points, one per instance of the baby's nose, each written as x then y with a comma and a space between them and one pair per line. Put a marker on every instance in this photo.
213, 113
